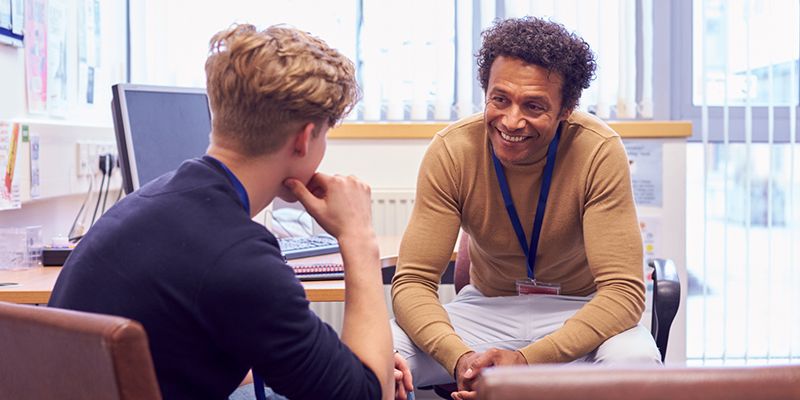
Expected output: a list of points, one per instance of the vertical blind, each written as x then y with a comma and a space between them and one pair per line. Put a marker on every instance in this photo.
743, 252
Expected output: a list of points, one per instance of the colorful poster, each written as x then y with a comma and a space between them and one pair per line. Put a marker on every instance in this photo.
9, 187
36, 55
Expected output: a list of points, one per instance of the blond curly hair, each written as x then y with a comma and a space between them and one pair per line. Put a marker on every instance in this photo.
264, 85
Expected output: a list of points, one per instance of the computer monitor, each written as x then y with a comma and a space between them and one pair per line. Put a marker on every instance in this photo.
157, 128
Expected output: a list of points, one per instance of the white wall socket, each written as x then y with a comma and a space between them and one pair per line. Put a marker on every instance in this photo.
88, 155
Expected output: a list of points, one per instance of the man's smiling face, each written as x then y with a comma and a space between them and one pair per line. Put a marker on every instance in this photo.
523, 109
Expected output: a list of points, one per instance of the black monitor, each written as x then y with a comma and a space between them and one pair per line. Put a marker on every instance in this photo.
157, 128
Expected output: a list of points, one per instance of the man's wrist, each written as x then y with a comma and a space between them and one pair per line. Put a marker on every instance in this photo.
458, 363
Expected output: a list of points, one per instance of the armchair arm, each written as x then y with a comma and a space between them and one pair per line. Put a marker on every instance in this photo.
666, 300
574, 382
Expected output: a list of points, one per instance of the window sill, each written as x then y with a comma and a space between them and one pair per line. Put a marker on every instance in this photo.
426, 130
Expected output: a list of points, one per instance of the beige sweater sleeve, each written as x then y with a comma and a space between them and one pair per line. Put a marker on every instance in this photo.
424, 254
614, 252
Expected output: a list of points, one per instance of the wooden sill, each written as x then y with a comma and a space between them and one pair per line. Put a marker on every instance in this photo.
426, 130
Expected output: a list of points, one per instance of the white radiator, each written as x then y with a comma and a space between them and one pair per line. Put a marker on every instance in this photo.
391, 210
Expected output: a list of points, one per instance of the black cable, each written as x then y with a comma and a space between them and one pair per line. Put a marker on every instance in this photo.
97, 205
80, 211
105, 196
107, 166
119, 196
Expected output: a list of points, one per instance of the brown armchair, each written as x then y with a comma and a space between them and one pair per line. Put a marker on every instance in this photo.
573, 382
49, 353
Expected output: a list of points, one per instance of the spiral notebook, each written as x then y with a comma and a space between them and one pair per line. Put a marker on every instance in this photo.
318, 271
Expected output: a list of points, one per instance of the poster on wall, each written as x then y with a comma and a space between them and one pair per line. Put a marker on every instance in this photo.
36, 55
5, 14
651, 236
9, 145
646, 171
35, 151
57, 71
88, 48
11, 21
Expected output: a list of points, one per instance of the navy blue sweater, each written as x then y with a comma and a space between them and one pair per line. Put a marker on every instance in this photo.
210, 287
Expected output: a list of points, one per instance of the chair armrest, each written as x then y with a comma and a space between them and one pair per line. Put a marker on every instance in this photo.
666, 300
574, 382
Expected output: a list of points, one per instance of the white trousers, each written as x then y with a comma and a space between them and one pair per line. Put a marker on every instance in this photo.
513, 322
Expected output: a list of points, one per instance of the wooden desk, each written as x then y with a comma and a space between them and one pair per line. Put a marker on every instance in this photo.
36, 284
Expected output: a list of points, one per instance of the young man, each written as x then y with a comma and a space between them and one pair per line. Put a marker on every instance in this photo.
183, 256
544, 193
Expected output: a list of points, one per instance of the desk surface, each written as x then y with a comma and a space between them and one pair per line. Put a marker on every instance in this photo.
35, 285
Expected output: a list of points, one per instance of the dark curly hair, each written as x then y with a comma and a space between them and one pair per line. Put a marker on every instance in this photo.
543, 43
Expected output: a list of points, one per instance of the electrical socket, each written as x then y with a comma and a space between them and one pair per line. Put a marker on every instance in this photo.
88, 155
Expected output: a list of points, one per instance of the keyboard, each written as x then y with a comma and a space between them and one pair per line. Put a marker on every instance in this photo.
308, 246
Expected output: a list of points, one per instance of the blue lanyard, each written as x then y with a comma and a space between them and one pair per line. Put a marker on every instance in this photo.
237, 185
258, 383
547, 176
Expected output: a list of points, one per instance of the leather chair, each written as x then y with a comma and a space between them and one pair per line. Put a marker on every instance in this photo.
49, 353
573, 382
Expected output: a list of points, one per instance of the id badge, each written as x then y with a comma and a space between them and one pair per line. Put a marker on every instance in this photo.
528, 286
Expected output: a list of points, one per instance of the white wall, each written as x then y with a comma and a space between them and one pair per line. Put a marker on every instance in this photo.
61, 189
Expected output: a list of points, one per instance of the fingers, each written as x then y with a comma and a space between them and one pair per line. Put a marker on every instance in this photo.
402, 367
400, 392
300, 191
464, 395
484, 360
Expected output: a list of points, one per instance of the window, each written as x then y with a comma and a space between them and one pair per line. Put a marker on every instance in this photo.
415, 59
744, 181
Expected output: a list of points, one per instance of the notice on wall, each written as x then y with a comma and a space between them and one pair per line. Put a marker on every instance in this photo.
9, 145
651, 236
35, 152
645, 157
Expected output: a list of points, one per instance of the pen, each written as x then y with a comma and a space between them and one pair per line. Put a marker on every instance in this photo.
8, 283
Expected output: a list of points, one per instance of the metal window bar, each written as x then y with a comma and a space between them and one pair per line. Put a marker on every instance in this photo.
771, 152
706, 151
727, 151
748, 140
793, 281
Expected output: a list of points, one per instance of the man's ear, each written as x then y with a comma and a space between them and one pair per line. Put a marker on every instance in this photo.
302, 139
565, 113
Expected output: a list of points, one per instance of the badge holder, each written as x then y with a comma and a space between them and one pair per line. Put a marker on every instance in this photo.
528, 286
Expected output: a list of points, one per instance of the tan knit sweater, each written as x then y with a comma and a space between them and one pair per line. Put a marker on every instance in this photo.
590, 239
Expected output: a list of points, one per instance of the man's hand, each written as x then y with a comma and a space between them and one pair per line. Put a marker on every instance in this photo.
470, 365
403, 384
341, 205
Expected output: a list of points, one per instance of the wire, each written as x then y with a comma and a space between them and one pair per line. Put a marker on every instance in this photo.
107, 162
97, 205
80, 211
119, 196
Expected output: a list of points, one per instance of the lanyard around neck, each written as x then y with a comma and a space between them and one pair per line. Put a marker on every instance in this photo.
237, 184
547, 176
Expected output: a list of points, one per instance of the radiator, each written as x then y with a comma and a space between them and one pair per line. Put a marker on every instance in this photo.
391, 210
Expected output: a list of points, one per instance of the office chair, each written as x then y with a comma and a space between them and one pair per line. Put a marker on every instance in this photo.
575, 381
666, 299
50, 353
